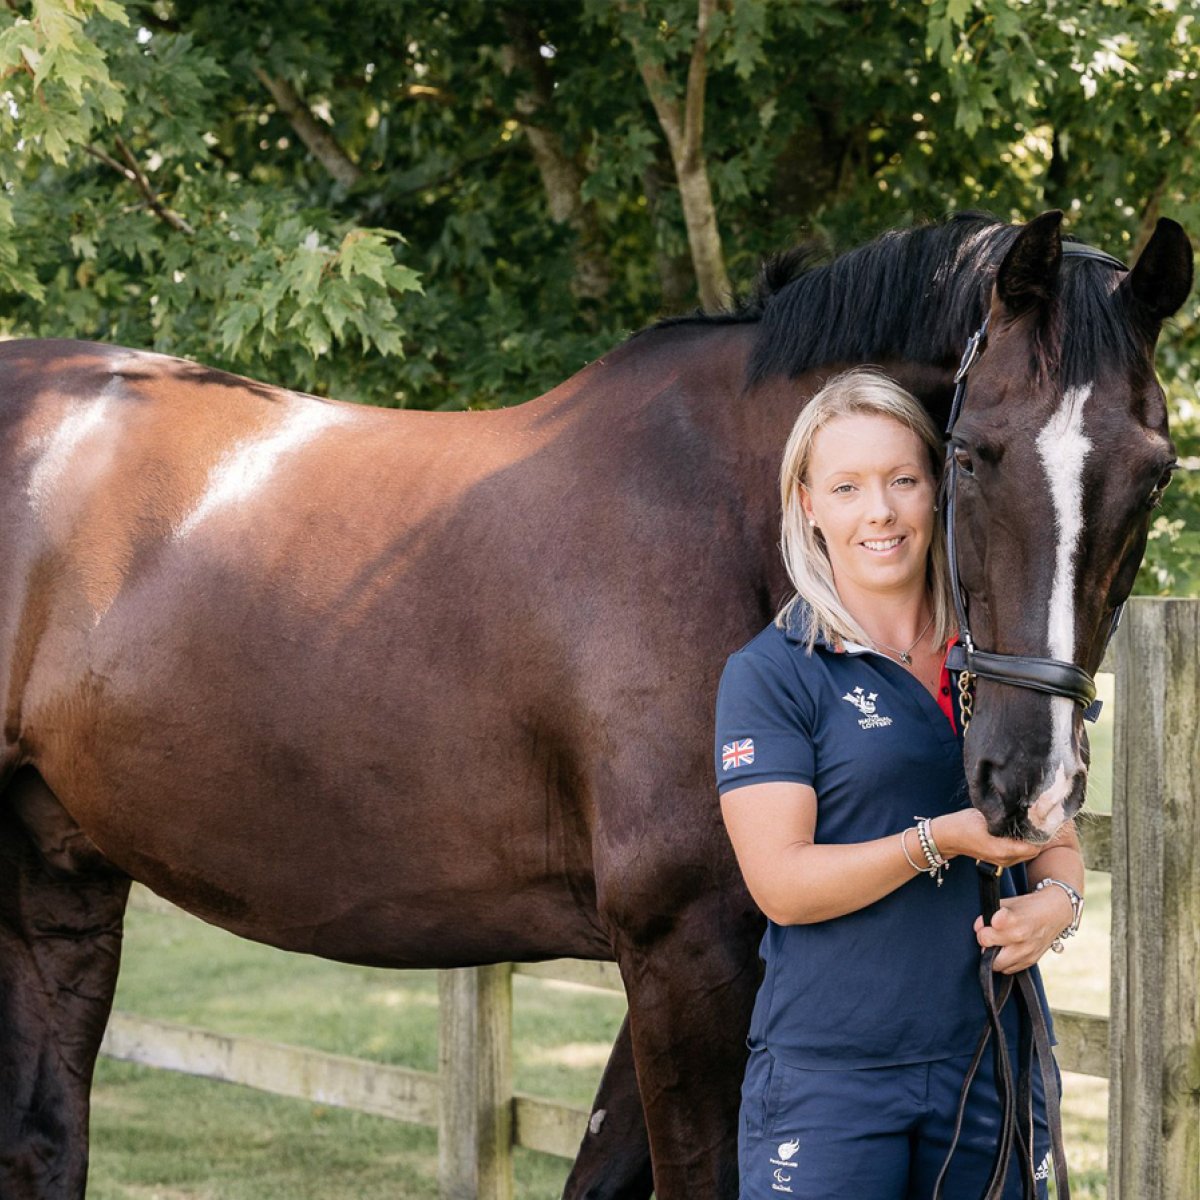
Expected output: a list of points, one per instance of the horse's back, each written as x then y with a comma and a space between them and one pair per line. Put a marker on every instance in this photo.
245, 625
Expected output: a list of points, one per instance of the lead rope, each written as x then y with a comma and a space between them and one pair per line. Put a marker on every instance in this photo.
1016, 1108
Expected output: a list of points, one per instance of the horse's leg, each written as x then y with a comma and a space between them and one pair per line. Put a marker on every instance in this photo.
61, 908
691, 976
613, 1162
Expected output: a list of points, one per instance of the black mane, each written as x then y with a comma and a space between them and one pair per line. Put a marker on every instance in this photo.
916, 295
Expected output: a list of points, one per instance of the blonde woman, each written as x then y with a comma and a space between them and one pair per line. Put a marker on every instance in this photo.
836, 725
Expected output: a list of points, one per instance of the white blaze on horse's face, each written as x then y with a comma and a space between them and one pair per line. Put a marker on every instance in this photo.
247, 466
1062, 447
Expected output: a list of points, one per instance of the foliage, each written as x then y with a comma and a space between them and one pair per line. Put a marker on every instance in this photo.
493, 203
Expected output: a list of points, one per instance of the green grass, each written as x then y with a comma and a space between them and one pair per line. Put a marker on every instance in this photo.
166, 1136
161, 1136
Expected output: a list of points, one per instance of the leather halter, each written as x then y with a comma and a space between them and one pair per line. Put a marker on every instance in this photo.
1056, 678
1050, 675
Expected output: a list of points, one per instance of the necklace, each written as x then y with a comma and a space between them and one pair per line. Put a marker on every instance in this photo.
905, 656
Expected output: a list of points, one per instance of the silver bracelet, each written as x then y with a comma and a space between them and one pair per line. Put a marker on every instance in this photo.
1076, 911
937, 864
937, 854
908, 857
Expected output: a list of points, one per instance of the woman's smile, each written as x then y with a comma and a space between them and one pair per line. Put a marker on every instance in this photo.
883, 547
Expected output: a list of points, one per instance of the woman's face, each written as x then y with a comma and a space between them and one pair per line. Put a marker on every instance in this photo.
870, 492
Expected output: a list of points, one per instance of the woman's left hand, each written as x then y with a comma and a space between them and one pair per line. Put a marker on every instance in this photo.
1024, 927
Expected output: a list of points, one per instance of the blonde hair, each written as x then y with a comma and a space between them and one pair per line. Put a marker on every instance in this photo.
859, 391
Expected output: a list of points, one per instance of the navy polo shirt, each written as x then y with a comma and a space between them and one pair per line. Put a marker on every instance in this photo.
897, 981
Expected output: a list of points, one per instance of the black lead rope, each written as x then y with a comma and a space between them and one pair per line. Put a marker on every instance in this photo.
1016, 1105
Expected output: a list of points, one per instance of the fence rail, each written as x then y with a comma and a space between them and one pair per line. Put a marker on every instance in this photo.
1149, 1048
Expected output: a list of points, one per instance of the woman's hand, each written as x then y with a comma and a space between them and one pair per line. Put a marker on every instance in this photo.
1024, 927
965, 832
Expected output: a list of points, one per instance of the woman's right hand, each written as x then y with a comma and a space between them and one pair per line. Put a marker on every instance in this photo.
965, 832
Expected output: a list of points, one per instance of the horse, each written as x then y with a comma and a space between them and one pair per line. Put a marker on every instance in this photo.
435, 690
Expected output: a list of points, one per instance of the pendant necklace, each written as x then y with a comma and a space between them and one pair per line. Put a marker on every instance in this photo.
905, 656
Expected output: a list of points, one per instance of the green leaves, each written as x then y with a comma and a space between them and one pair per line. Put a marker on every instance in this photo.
57, 78
292, 281
155, 193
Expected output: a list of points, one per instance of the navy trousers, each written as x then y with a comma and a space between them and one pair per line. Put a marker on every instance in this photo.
879, 1133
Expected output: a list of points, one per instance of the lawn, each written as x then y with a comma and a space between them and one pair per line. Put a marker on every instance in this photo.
160, 1136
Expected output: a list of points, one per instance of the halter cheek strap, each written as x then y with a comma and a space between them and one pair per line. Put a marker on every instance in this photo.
1052, 676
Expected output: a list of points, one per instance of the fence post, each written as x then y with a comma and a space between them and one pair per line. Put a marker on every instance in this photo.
475, 1083
1154, 1068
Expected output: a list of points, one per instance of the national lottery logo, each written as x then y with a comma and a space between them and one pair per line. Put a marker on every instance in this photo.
867, 703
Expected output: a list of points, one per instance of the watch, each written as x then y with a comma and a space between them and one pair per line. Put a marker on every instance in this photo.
1076, 911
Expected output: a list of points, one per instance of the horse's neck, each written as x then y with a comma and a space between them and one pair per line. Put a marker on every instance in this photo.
762, 417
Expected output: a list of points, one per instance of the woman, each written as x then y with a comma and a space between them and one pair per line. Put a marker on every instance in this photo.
836, 725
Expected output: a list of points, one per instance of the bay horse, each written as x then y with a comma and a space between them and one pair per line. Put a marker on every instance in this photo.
435, 690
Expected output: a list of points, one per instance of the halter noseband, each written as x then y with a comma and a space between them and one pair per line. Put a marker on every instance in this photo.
1052, 676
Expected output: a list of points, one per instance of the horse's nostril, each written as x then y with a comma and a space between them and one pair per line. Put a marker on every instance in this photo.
991, 779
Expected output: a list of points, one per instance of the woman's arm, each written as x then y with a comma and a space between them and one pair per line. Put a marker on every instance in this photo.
796, 881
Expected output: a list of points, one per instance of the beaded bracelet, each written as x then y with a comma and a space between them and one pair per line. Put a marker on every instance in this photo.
937, 862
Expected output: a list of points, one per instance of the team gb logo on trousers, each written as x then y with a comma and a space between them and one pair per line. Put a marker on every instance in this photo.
865, 703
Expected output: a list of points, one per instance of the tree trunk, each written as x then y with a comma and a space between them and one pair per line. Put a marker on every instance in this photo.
684, 129
562, 177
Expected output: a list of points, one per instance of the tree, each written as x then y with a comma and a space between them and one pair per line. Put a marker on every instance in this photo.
460, 205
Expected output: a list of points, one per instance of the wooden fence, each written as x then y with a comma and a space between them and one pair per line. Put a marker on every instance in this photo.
1149, 1048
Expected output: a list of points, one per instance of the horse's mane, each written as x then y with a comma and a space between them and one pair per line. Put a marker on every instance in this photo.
916, 295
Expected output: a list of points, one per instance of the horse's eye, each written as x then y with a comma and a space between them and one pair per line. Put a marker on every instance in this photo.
1161, 486
963, 459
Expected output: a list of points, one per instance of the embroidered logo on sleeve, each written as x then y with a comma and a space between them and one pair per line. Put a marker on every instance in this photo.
865, 703
737, 754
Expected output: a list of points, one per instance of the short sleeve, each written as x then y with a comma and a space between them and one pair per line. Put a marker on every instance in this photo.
764, 724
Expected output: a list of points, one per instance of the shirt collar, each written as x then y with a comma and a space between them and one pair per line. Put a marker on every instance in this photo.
799, 620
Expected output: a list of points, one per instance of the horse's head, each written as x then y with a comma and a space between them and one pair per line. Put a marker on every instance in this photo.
1060, 454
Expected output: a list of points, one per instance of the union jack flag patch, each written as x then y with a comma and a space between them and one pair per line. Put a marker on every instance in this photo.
737, 754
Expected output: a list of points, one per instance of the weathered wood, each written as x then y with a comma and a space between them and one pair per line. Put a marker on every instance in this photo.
1154, 1101
1082, 1042
475, 1067
551, 1128
387, 1091
1095, 836
603, 975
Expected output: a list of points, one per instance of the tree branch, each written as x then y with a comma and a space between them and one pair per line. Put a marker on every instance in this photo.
684, 129
693, 115
323, 146
132, 172
562, 177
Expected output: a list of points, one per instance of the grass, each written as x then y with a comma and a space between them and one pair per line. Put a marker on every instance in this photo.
161, 1136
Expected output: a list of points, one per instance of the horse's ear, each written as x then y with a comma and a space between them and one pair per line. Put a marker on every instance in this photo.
1030, 268
1162, 276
